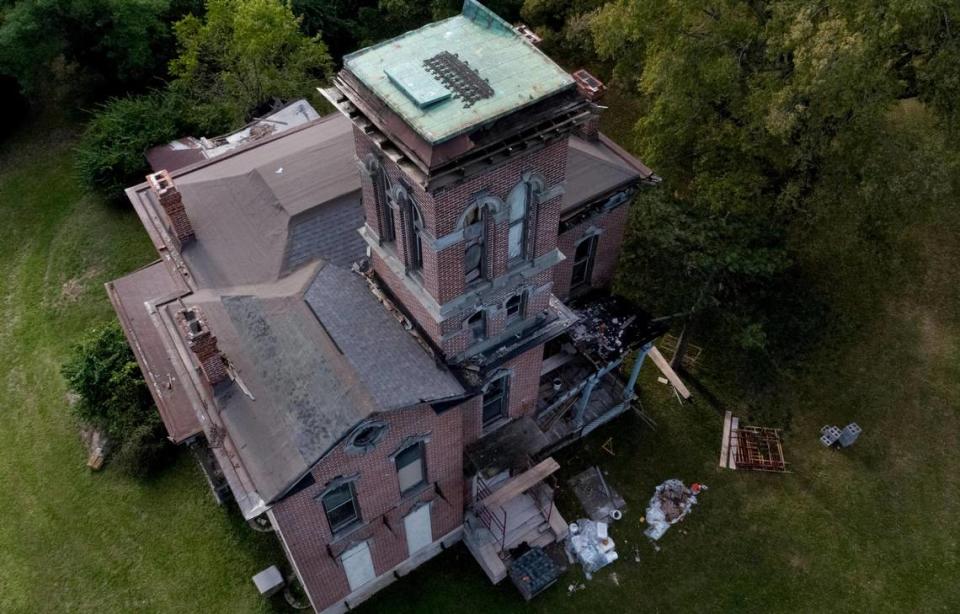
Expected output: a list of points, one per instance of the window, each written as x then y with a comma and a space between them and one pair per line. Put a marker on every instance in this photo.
514, 307
473, 234
477, 323
340, 504
366, 437
495, 400
519, 204
415, 258
583, 261
381, 186
410, 467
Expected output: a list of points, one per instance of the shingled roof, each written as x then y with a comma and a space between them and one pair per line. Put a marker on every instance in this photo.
315, 353
258, 212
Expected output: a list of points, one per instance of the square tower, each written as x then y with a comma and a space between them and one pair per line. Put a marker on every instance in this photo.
462, 130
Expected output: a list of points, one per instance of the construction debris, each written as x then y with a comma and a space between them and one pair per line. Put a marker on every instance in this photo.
601, 502
754, 448
830, 435
669, 505
589, 543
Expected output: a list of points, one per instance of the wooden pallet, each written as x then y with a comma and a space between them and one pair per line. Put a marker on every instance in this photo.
751, 448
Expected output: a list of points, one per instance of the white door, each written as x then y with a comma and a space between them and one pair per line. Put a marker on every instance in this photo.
419, 531
358, 565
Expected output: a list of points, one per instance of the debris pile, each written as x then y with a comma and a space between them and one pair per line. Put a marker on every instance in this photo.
589, 543
604, 328
669, 504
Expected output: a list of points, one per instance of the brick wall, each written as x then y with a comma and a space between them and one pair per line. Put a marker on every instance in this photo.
442, 274
613, 224
303, 523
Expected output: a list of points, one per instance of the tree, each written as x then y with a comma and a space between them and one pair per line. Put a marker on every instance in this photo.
768, 122
101, 46
114, 398
110, 154
244, 56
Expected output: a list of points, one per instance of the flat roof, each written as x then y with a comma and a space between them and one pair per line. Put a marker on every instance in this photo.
447, 77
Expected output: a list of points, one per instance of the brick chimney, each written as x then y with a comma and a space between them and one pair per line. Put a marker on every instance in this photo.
592, 89
172, 202
204, 344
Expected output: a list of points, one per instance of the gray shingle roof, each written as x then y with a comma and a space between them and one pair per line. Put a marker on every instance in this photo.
318, 353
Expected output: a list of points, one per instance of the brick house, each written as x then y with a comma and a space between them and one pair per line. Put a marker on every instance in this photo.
359, 326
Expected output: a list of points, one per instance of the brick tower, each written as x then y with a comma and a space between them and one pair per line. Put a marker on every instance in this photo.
462, 132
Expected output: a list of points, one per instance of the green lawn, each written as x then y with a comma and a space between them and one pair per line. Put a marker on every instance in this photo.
872, 528
74, 541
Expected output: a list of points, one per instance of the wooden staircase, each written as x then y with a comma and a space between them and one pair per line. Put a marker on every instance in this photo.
519, 511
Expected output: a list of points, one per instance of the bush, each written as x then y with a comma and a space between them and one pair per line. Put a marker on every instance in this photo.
110, 155
114, 398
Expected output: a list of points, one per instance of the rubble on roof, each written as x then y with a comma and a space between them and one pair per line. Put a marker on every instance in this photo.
188, 150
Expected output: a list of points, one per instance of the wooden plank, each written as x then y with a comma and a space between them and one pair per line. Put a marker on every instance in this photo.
555, 362
664, 365
521, 483
734, 441
725, 441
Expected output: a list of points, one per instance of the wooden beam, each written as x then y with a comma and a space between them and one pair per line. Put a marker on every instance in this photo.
664, 365
735, 441
520, 483
725, 441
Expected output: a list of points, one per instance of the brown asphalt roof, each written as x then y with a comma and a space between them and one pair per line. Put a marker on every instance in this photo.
130, 295
255, 211
317, 353
596, 167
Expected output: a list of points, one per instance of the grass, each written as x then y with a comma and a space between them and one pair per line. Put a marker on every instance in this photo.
871, 528
75, 541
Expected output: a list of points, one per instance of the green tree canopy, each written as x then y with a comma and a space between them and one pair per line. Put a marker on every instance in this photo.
783, 144
242, 57
100, 46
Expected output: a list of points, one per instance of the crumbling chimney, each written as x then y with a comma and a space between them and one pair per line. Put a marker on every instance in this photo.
590, 129
172, 202
204, 344
592, 89
524, 31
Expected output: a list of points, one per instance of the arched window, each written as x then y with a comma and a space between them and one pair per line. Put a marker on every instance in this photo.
514, 307
381, 188
416, 238
518, 202
474, 237
477, 323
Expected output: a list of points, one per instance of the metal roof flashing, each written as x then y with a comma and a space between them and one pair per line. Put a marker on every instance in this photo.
448, 77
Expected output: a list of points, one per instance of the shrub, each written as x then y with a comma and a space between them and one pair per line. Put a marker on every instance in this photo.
110, 155
114, 398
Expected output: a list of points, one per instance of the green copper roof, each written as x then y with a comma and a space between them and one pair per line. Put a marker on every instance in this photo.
452, 75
